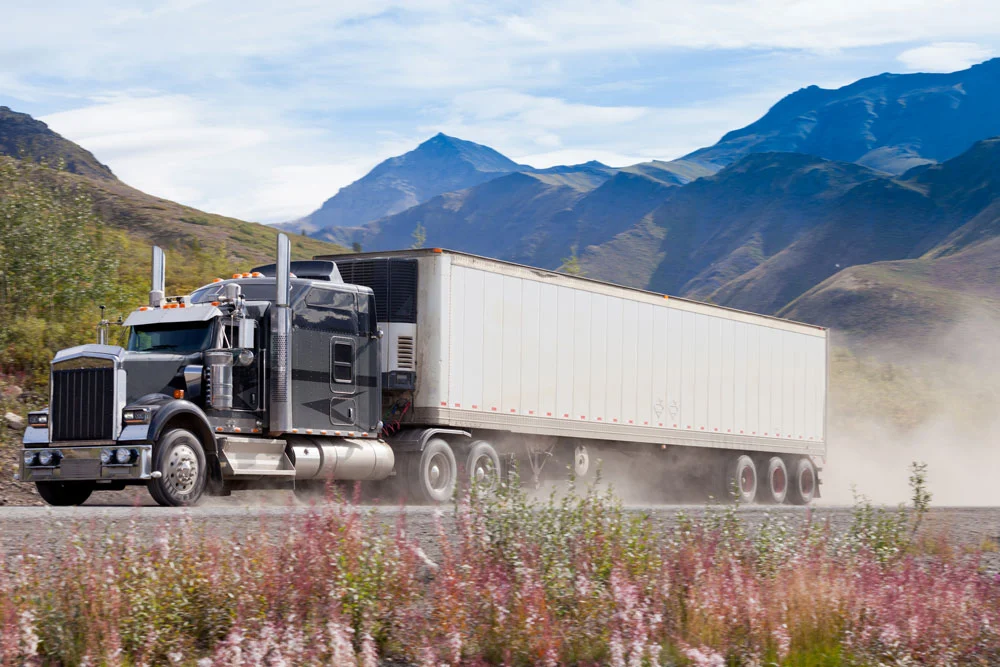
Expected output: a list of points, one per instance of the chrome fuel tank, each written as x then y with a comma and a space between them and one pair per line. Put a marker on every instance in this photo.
342, 458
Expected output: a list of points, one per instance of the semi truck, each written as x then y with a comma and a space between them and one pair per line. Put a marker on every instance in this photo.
428, 370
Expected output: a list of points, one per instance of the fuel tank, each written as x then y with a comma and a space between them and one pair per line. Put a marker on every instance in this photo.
341, 458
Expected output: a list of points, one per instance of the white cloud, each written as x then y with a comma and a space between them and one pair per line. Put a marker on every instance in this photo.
944, 56
262, 110
250, 165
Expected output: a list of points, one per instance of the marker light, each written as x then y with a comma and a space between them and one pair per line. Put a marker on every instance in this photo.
38, 419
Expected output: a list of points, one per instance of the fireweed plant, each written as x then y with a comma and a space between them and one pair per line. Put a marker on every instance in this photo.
575, 579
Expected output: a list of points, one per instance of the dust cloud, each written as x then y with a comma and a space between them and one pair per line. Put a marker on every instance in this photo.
937, 405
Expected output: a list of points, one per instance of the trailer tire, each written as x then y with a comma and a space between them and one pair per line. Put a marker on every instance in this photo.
804, 481
64, 494
774, 481
482, 467
741, 480
431, 474
180, 458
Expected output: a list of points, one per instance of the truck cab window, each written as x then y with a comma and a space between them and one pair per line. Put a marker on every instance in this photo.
343, 362
177, 338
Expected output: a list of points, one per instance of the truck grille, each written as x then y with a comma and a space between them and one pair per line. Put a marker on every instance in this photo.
83, 404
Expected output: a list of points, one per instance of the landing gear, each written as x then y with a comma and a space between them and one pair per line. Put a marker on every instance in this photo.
432, 473
63, 494
775, 481
180, 459
802, 489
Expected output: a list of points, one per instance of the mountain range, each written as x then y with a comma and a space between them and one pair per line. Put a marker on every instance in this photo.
873, 208
878, 194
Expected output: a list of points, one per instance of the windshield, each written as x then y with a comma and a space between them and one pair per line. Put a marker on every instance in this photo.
179, 338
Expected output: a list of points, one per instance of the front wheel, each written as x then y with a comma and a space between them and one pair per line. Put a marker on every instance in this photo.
64, 494
180, 459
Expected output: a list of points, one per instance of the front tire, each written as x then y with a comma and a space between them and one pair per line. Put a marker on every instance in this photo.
64, 494
432, 473
179, 457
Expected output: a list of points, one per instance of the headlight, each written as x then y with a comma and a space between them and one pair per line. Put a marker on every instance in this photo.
106, 456
123, 455
45, 457
135, 415
29, 458
38, 419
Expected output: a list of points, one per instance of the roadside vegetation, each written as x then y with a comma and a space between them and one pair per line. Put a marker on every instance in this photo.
572, 580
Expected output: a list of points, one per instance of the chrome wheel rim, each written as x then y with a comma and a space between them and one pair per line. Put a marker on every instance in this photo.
181, 473
438, 472
484, 472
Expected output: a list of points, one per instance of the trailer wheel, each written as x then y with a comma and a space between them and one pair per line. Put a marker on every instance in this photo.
179, 457
741, 480
802, 490
432, 473
64, 494
775, 481
482, 467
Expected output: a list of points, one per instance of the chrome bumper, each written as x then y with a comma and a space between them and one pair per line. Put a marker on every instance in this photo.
83, 463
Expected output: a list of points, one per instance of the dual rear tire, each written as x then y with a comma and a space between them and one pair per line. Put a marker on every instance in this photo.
433, 474
771, 483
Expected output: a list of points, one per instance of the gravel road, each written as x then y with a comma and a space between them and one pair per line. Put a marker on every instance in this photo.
45, 530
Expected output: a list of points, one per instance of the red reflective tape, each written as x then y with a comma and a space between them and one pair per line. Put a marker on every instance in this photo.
513, 410
583, 416
531, 412
475, 407
599, 418
458, 405
494, 409
548, 414
444, 404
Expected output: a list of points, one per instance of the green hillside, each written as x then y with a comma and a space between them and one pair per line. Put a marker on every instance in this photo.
71, 240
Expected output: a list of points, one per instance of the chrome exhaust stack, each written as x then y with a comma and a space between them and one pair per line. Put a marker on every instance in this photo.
281, 343
158, 284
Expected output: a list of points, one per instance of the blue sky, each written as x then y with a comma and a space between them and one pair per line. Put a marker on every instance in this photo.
262, 110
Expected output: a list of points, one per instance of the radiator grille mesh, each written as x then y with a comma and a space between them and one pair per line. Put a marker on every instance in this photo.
83, 404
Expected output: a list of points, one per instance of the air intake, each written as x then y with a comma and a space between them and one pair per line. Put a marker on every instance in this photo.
405, 353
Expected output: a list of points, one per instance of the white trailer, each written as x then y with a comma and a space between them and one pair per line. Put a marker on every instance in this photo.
485, 356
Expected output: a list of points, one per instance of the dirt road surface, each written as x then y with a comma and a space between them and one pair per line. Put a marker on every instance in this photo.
46, 530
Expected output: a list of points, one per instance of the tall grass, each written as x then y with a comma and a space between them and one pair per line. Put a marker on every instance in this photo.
571, 580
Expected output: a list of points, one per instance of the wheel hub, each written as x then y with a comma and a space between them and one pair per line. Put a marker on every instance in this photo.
778, 481
182, 469
438, 473
581, 461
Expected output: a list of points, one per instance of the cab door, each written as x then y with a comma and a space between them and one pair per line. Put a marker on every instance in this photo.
343, 381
